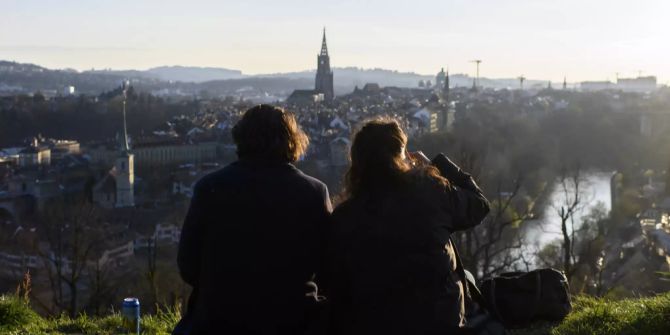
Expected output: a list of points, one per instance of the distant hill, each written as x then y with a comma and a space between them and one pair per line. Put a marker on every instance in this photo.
346, 78
193, 74
27, 78
352, 76
184, 74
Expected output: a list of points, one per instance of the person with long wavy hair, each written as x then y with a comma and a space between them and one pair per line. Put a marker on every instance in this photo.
254, 234
392, 268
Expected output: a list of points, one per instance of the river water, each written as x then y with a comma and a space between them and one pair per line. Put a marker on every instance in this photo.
544, 230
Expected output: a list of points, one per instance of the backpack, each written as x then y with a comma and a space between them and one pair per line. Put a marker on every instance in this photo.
518, 298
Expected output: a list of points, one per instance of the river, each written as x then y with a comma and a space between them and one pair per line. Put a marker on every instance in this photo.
595, 188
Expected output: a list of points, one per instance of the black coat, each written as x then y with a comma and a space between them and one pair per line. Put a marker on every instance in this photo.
391, 268
252, 238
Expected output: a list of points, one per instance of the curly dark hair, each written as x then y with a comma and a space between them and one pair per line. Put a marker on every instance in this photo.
269, 133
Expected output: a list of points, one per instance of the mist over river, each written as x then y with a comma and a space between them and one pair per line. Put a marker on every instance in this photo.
594, 190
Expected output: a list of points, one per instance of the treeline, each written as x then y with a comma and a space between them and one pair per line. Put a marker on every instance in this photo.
84, 118
595, 130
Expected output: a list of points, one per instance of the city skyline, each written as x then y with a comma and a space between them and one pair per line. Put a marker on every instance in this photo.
539, 40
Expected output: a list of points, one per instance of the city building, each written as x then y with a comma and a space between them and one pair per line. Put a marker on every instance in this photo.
303, 97
323, 83
62, 148
116, 189
68, 90
639, 84
324, 75
159, 152
339, 152
596, 85
440, 79
35, 154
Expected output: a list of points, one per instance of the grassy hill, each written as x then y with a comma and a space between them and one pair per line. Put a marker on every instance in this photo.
590, 316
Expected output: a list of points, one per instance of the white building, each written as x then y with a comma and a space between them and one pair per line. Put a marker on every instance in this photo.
639, 84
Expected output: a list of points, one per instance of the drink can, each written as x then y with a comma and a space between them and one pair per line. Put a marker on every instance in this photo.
130, 312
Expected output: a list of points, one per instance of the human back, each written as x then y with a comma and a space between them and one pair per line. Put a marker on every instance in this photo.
392, 267
253, 236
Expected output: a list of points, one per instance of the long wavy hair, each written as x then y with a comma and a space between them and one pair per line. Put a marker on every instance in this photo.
269, 133
377, 160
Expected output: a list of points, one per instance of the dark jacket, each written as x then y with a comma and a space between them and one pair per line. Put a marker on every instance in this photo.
391, 268
252, 238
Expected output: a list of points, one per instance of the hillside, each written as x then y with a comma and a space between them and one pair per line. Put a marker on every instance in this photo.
29, 78
348, 77
645, 316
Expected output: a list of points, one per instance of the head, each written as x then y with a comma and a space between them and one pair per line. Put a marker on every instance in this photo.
269, 133
377, 157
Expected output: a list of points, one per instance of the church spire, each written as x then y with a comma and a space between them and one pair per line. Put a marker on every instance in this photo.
446, 81
324, 47
324, 75
125, 147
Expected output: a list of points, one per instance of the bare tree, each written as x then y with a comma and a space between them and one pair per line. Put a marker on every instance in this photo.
571, 193
495, 245
151, 274
101, 286
72, 234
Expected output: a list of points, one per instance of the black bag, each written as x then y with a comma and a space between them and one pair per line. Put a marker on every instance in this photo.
519, 298
478, 319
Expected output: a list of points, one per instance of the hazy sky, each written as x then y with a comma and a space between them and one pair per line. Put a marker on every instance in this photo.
543, 39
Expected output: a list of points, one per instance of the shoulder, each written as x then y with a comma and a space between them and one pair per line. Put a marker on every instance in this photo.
427, 178
210, 180
312, 182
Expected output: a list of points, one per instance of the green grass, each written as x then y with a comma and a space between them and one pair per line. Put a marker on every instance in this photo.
17, 318
594, 316
590, 316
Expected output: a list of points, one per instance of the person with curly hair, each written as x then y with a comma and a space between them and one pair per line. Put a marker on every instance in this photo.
254, 233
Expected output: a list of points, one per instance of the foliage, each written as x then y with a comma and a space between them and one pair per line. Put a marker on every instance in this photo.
602, 316
18, 318
590, 316
16, 314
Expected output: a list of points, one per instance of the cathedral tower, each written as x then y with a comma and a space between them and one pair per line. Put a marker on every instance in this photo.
324, 75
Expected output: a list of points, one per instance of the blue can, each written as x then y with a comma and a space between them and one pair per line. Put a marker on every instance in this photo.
130, 312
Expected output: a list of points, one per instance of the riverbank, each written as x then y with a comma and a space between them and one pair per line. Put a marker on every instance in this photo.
644, 316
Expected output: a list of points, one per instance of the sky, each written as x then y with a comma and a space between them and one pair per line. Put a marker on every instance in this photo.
540, 39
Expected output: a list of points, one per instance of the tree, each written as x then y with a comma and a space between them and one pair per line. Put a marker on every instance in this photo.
101, 287
73, 233
151, 274
566, 207
597, 257
496, 244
